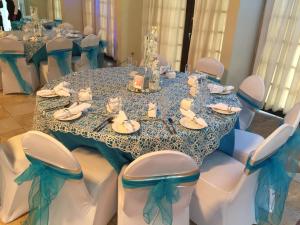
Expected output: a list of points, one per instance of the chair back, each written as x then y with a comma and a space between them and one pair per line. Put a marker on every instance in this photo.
161, 163
293, 117
47, 149
89, 61
251, 93
10, 82
88, 30
210, 66
273, 142
57, 44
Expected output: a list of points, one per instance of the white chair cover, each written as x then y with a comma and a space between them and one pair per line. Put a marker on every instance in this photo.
132, 201
91, 200
293, 117
254, 87
50, 71
13, 198
82, 63
88, 30
246, 142
210, 66
225, 193
28, 71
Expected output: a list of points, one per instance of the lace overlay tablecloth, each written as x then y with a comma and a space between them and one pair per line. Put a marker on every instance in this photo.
153, 136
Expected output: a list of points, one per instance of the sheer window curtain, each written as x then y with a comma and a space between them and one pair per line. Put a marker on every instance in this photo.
100, 14
278, 55
54, 9
208, 30
169, 17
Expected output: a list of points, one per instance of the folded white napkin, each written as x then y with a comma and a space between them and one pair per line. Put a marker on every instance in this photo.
152, 110
171, 74
215, 88
62, 89
186, 103
194, 91
13, 37
192, 116
225, 107
113, 104
122, 120
85, 95
193, 81
45, 92
74, 109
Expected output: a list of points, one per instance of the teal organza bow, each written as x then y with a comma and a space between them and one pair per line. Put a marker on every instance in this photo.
158, 209
47, 181
91, 54
61, 57
275, 176
213, 79
249, 100
11, 59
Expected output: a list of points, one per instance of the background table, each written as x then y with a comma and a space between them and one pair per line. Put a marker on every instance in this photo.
153, 136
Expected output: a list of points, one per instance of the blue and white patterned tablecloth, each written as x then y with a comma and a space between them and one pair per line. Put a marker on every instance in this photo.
153, 136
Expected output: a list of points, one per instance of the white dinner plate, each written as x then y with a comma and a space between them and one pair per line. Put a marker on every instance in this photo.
71, 117
48, 96
122, 130
225, 112
225, 93
190, 124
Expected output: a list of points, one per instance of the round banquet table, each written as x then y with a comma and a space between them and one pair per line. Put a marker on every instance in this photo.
153, 135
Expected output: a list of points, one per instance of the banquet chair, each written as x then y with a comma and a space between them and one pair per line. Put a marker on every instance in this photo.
65, 26
247, 142
57, 67
212, 67
88, 30
17, 75
88, 200
155, 165
13, 198
225, 192
88, 58
251, 94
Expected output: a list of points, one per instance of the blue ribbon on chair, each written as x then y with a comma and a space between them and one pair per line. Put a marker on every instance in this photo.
275, 175
11, 59
91, 54
253, 103
213, 79
47, 181
61, 56
162, 196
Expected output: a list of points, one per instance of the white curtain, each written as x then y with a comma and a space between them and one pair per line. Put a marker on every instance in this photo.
278, 55
88, 13
208, 30
169, 17
106, 24
54, 9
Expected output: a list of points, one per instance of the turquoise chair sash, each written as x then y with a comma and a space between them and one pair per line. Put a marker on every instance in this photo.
91, 54
253, 103
275, 175
61, 57
11, 59
47, 181
163, 194
213, 79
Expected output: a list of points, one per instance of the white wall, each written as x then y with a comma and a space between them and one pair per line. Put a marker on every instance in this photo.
244, 41
72, 13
